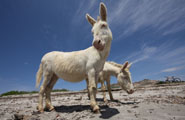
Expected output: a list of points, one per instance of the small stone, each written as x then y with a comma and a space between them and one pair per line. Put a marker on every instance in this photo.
57, 115
129, 111
135, 106
137, 115
18, 117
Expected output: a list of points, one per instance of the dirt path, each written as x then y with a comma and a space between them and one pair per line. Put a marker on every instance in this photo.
152, 103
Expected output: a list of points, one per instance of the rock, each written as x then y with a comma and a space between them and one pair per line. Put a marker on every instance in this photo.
135, 106
18, 117
129, 111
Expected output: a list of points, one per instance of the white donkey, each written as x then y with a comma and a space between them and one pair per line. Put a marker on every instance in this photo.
121, 72
77, 65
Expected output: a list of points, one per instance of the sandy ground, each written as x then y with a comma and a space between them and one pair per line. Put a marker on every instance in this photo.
151, 103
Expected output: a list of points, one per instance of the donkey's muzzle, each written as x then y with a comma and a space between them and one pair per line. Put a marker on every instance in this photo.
98, 45
130, 91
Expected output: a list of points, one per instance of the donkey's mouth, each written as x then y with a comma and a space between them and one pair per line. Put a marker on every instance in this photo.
130, 91
98, 46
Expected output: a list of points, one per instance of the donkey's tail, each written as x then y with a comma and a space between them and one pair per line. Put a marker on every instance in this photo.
39, 75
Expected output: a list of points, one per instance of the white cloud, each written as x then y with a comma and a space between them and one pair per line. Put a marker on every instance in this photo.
167, 15
140, 59
175, 29
165, 55
145, 53
83, 8
172, 53
173, 69
149, 50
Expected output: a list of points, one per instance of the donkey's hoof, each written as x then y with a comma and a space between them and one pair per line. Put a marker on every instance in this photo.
49, 108
96, 109
41, 110
52, 109
106, 101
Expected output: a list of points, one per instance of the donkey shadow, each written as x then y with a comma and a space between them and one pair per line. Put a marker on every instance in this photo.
118, 101
105, 111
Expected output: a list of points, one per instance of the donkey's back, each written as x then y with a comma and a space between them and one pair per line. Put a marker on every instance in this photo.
66, 65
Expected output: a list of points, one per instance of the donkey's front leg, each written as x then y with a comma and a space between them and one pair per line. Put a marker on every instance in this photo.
92, 76
109, 88
103, 90
87, 82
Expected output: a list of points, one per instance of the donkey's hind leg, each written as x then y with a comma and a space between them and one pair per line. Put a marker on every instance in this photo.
47, 78
109, 88
48, 92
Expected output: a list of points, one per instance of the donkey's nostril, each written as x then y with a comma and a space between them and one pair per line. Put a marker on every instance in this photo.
99, 42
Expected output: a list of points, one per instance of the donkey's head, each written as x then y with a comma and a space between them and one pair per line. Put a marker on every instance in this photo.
124, 78
100, 29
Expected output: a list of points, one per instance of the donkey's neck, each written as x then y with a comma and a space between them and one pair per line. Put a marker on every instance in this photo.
105, 53
112, 69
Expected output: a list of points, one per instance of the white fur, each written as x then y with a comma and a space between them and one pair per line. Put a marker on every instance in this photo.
77, 65
121, 72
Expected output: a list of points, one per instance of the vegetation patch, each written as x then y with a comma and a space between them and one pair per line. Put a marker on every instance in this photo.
60, 90
18, 93
28, 92
162, 82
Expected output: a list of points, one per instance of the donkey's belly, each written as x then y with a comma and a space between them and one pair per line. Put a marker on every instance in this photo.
75, 77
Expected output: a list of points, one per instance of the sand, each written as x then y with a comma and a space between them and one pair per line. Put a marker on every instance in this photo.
149, 103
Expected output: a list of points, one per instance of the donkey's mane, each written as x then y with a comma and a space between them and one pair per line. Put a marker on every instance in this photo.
115, 64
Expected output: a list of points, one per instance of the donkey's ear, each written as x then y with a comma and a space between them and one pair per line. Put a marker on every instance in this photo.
103, 12
124, 66
129, 65
91, 20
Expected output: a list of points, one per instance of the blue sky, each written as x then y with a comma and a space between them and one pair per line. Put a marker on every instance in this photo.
149, 33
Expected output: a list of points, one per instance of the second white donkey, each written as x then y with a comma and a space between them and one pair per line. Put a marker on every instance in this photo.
78, 65
121, 72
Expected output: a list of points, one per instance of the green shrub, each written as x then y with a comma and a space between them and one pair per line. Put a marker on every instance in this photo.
59, 90
28, 92
14, 93
162, 82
